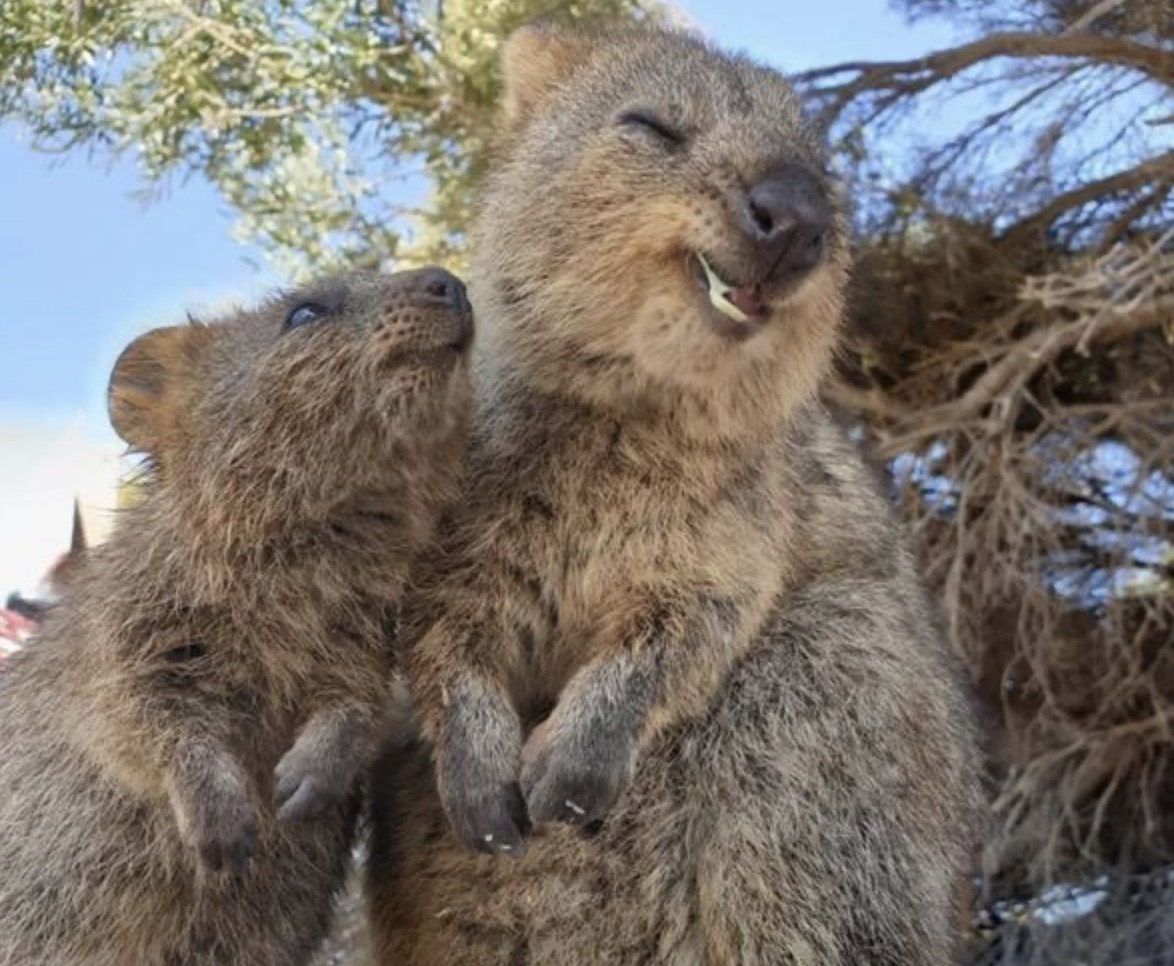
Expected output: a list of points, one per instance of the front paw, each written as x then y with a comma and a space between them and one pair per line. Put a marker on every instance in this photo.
486, 810
574, 774
306, 786
477, 763
320, 771
223, 830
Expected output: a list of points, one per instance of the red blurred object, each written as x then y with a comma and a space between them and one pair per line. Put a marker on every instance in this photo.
14, 631
21, 616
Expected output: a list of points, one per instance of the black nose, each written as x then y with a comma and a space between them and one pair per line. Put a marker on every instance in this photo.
789, 217
444, 290
444, 287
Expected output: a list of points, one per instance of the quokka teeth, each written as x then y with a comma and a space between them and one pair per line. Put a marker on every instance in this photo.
717, 289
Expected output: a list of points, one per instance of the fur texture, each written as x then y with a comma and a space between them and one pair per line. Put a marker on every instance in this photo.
183, 738
672, 622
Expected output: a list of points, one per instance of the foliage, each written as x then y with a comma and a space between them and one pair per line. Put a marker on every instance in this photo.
1013, 357
317, 121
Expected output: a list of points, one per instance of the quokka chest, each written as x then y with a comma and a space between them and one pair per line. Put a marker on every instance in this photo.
610, 535
597, 507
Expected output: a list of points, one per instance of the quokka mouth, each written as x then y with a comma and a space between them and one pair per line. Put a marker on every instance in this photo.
743, 306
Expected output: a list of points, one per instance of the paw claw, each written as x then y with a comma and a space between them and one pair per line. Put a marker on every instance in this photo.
308, 785
574, 780
493, 824
229, 846
477, 762
487, 814
305, 801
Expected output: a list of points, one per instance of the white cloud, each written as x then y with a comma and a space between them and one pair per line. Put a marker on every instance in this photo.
46, 462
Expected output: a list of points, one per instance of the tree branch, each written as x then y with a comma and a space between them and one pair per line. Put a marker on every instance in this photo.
1092, 15
1021, 361
909, 77
872, 401
1158, 170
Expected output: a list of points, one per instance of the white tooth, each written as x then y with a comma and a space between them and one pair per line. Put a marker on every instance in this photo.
726, 307
712, 278
717, 288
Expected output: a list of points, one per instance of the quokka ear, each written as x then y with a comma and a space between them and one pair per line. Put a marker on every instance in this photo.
145, 392
535, 61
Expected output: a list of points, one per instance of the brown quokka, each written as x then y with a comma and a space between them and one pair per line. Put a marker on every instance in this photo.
182, 740
758, 748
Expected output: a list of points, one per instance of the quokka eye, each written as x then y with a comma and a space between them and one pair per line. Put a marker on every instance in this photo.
305, 314
646, 120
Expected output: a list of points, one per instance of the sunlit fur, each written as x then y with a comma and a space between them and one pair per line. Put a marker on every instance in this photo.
241, 608
670, 576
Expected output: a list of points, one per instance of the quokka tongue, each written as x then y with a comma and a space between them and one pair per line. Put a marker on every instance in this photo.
747, 300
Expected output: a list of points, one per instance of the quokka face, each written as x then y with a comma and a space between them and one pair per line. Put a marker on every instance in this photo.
687, 234
289, 409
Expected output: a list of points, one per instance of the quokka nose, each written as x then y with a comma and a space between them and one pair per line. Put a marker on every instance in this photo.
788, 216
444, 287
438, 287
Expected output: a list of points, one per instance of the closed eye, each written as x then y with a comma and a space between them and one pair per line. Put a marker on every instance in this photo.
649, 121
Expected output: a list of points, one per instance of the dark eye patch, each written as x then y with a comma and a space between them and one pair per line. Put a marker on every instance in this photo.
305, 314
185, 653
647, 120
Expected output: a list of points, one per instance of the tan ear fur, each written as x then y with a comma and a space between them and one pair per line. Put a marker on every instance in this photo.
535, 61
144, 391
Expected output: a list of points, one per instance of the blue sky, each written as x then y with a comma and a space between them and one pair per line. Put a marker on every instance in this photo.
84, 266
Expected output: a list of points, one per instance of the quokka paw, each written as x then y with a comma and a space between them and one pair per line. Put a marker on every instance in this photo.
483, 802
306, 788
225, 832
574, 775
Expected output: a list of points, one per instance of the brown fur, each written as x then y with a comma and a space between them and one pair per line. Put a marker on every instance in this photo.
759, 751
228, 645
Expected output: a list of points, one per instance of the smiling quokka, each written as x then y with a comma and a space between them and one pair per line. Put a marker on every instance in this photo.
672, 621
183, 738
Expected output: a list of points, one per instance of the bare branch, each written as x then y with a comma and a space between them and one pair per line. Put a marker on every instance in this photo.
900, 79
1146, 201
1118, 295
1154, 170
871, 401
1093, 14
